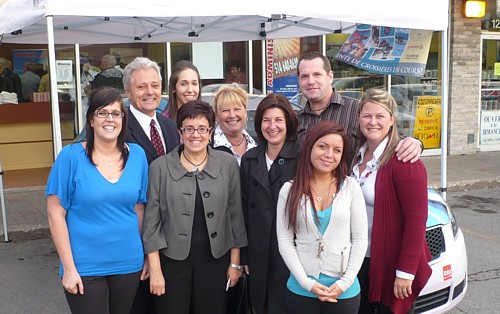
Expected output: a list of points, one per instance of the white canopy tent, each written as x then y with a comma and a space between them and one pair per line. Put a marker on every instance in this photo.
126, 21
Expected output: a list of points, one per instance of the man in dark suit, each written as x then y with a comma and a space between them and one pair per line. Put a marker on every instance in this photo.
142, 82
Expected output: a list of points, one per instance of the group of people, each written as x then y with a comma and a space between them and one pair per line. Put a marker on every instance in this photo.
324, 212
23, 85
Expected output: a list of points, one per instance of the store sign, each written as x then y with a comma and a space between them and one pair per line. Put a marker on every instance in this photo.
387, 50
490, 127
428, 120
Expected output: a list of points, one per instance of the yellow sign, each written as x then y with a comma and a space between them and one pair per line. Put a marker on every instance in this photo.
496, 69
428, 121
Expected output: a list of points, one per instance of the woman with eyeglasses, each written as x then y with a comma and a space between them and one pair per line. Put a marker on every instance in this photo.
95, 202
193, 223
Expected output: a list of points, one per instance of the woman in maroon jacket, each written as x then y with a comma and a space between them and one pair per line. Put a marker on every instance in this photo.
396, 265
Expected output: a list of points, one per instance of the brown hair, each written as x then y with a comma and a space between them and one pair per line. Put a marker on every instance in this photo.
314, 55
101, 98
305, 172
173, 106
281, 102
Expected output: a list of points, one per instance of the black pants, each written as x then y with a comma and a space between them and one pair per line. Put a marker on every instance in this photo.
298, 304
144, 300
196, 285
105, 294
376, 307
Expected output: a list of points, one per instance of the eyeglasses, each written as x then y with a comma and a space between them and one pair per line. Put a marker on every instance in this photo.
190, 130
105, 114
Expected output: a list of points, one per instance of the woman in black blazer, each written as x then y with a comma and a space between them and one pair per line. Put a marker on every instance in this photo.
264, 170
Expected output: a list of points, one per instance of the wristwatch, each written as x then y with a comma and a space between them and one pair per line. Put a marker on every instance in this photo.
238, 267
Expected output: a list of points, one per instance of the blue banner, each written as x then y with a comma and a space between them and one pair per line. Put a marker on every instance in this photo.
387, 50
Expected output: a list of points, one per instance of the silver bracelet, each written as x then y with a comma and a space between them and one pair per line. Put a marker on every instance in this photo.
238, 267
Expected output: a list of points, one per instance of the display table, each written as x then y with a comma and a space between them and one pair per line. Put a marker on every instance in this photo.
26, 133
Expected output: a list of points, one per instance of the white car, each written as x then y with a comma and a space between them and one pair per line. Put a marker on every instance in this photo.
448, 283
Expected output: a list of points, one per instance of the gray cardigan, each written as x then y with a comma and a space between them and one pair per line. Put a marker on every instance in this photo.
169, 213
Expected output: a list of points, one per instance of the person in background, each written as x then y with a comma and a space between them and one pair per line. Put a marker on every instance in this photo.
10, 81
109, 75
193, 225
184, 86
142, 81
235, 74
396, 265
321, 225
230, 105
315, 77
119, 64
264, 170
39, 70
45, 84
29, 81
95, 203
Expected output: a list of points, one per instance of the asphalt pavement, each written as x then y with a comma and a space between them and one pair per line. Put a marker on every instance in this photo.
26, 214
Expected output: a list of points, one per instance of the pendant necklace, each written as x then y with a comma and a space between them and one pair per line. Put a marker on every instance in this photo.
110, 162
319, 197
195, 168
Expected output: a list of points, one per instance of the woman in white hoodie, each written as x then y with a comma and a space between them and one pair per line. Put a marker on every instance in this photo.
322, 226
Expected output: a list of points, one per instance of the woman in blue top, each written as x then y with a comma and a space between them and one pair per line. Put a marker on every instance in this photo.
321, 226
95, 201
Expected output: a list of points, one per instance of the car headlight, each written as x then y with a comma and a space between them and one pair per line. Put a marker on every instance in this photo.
453, 221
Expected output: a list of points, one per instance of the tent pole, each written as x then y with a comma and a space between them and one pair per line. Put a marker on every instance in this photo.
168, 65
264, 66
78, 79
250, 66
444, 109
2, 203
54, 100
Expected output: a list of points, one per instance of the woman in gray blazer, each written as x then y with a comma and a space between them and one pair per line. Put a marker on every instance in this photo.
193, 224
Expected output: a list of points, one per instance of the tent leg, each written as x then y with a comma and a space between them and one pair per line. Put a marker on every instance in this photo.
4, 216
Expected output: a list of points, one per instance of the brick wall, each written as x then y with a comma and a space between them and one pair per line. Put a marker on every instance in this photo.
465, 77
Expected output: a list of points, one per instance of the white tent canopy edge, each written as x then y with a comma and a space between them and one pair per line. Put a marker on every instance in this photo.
423, 14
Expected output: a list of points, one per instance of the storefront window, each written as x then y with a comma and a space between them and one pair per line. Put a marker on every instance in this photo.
490, 91
408, 91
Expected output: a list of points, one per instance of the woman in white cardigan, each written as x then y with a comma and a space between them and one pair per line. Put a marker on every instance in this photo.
322, 226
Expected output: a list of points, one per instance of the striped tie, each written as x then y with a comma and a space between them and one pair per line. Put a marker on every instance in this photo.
156, 139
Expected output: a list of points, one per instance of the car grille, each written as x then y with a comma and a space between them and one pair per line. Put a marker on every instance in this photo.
432, 300
435, 241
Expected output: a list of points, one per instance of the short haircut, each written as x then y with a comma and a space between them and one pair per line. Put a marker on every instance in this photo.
138, 64
314, 55
194, 109
230, 94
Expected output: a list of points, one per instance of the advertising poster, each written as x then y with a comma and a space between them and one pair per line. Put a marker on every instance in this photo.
387, 50
282, 56
21, 56
427, 126
490, 127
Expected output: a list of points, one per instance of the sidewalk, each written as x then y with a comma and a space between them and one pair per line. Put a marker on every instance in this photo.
27, 215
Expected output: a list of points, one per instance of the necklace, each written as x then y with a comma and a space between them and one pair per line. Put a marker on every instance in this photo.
241, 142
110, 162
192, 163
319, 109
319, 197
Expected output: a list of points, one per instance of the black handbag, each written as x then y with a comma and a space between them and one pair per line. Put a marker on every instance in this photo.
238, 298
